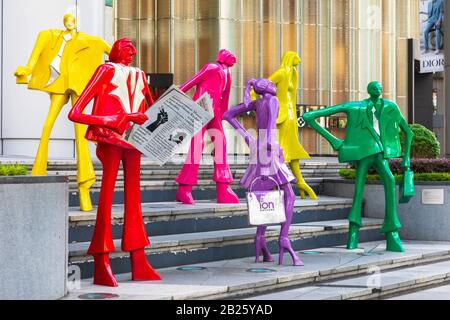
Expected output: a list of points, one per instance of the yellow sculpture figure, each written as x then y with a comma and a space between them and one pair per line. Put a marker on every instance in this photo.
61, 64
286, 80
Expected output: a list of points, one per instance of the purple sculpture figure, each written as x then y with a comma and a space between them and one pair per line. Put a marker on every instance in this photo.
266, 160
214, 79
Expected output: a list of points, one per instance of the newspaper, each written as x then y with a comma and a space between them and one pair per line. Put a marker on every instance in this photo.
173, 120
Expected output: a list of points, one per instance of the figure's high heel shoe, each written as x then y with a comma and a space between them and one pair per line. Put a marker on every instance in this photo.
184, 194
141, 269
304, 187
261, 245
285, 244
393, 242
103, 275
225, 194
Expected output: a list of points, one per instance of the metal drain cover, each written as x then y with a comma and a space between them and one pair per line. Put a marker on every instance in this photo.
98, 296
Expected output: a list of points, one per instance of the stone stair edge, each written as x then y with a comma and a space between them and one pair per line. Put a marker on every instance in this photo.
203, 240
150, 210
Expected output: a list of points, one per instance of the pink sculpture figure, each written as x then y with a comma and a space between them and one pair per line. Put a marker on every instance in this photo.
215, 79
121, 96
266, 160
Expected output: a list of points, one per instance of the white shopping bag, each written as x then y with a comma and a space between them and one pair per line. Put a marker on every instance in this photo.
266, 207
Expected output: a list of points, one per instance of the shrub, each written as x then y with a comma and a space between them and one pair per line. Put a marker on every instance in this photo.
13, 170
422, 165
425, 143
350, 174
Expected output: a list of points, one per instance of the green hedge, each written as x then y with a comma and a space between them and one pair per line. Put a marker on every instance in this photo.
350, 174
425, 143
13, 170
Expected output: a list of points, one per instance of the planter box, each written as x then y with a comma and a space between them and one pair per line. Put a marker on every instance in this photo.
33, 237
420, 221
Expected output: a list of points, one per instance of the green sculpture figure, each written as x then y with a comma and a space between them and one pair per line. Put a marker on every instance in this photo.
372, 137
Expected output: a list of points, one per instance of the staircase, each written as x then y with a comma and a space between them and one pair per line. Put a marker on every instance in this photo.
158, 183
206, 251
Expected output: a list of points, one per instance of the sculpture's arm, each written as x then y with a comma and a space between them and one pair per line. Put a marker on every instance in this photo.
231, 116
226, 94
199, 77
35, 54
104, 74
409, 135
310, 118
273, 114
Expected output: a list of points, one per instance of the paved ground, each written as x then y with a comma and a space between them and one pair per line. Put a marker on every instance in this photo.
439, 293
231, 278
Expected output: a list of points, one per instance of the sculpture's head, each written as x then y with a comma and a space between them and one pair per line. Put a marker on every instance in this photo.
260, 86
226, 57
70, 22
290, 59
375, 89
123, 51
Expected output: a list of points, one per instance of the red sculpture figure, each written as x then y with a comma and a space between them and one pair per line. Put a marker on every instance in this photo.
121, 96
214, 78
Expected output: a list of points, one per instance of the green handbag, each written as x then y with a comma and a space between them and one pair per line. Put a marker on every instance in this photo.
407, 186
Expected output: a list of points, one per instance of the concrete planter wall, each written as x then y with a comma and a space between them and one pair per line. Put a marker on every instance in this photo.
420, 222
33, 237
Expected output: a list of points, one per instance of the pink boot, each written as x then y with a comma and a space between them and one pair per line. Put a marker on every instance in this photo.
184, 194
225, 195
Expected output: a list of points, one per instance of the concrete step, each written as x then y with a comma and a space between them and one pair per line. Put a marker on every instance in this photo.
241, 278
165, 190
200, 247
437, 292
372, 286
204, 174
173, 218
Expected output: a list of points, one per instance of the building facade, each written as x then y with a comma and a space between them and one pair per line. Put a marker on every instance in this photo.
344, 44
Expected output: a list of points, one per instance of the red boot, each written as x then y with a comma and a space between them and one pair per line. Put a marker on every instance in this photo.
184, 194
141, 269
225, 194
103, 275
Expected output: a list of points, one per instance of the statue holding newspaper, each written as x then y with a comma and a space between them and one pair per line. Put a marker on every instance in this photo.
121, 96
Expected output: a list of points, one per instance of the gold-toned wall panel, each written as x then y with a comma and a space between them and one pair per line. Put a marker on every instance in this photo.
147, 9
343, 43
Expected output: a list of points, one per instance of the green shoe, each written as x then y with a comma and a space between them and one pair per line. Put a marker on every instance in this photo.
393, 242
353, 237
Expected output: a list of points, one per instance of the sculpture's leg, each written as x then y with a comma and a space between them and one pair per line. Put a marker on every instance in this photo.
301, 183
261, 245
188, 175
134, 237
391, 223
85, 169
362, 167
222, 172
284, 242
57, 101
102, 243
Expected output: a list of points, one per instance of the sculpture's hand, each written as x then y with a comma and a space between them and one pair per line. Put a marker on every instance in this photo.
22, 72
337, 145
138, 118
